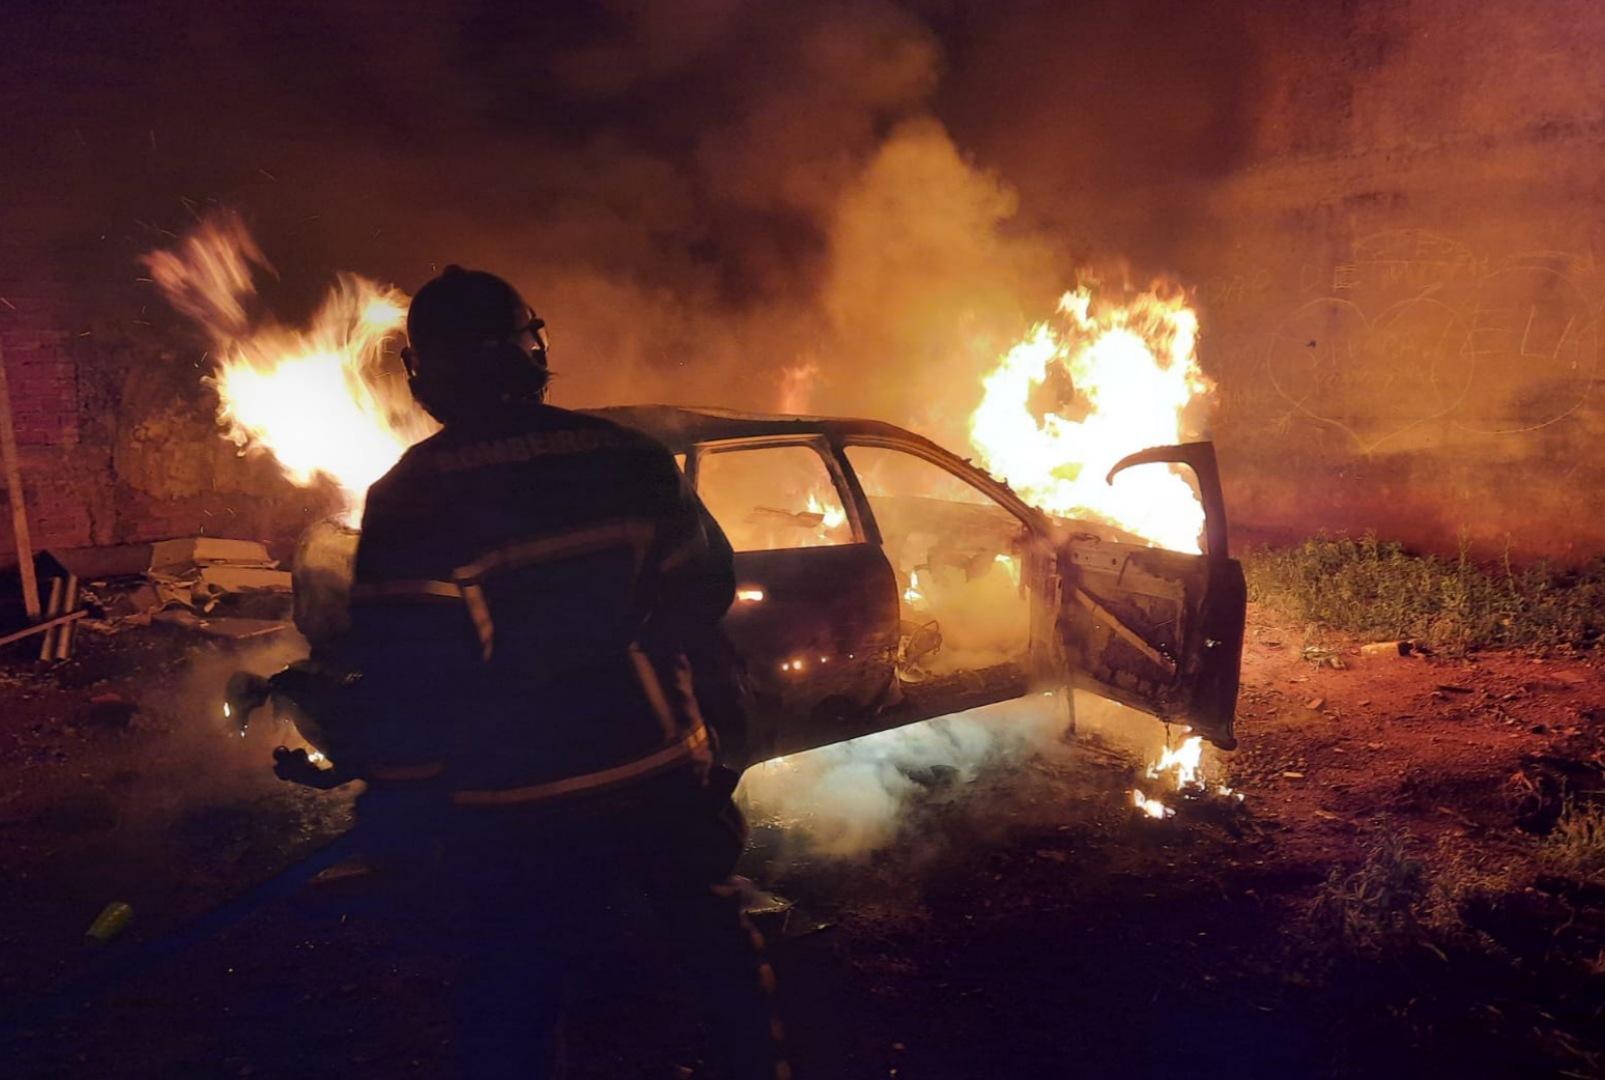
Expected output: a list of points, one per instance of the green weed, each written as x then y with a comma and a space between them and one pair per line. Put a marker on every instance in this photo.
1576, 846
1374, 588
1379, 905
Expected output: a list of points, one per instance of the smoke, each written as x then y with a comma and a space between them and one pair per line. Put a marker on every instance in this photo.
844, 253
924, 287
719, 202
697, 197
853, 798
200, 738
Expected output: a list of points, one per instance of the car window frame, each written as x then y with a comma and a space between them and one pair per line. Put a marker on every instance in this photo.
859, 521
1030, 518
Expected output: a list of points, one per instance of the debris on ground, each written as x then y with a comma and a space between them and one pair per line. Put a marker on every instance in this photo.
112, 920
222, 588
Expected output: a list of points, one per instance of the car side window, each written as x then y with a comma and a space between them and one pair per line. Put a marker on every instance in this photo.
772, 497
957, 554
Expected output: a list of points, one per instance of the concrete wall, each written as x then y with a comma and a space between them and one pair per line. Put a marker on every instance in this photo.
1401, 278
1405, 291
65, 485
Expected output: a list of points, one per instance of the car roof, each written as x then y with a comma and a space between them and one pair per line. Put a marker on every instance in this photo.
679, 427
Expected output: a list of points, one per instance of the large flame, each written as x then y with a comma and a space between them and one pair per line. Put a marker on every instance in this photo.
1069, 401
1060, 407
320, 398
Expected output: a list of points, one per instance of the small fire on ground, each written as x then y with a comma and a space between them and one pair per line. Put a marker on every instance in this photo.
1179, 768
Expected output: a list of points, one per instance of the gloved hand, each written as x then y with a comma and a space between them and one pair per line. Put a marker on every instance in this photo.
244, 694
297, 767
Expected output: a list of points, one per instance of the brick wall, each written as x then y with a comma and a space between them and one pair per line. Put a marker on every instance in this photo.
116, 440
42, 371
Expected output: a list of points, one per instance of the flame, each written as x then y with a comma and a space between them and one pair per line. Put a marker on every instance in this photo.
833, 515
912, 594
1130, 370
797, 386
1185, 761
317, 398
1152, 807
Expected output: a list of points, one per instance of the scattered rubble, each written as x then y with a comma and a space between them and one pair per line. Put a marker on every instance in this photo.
231, 589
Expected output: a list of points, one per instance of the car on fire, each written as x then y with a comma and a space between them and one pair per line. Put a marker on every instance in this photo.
883, 580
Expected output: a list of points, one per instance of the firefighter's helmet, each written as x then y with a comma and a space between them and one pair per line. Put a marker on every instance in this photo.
473, 344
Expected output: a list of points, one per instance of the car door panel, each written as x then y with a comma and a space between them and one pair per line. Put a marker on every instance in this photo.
1159, 630
815, 617
817, 631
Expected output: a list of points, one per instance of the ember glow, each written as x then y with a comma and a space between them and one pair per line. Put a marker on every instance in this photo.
1073, 398
318, 398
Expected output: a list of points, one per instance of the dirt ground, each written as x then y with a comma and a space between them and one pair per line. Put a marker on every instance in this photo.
1027, 922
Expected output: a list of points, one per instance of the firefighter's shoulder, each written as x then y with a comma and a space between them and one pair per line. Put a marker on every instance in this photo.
589, 431
409, 464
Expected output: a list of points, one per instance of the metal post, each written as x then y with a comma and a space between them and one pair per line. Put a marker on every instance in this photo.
47, 645
64, 632
19, 508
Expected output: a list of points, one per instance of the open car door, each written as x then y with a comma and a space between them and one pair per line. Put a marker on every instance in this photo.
1159, 630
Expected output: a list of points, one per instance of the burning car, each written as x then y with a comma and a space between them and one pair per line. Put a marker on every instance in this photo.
883, 580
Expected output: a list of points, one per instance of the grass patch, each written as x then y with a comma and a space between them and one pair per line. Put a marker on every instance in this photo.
1576, 846
1396, 900
1378, 906
1374, 588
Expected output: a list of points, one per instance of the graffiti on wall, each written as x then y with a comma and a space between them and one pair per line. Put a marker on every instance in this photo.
1409, 339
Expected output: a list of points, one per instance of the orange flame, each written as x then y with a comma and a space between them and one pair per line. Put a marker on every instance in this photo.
832, 518
1129, 370
317, 398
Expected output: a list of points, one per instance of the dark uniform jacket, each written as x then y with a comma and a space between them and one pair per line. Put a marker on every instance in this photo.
524, 595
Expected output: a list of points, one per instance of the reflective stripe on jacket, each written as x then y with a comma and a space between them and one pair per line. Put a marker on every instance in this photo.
522, 600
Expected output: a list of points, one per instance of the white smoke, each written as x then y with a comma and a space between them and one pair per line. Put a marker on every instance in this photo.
851, 798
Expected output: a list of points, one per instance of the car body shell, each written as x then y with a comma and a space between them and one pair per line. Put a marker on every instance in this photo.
819, 629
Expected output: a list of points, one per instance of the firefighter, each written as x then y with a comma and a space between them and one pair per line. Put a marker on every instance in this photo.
528, 584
